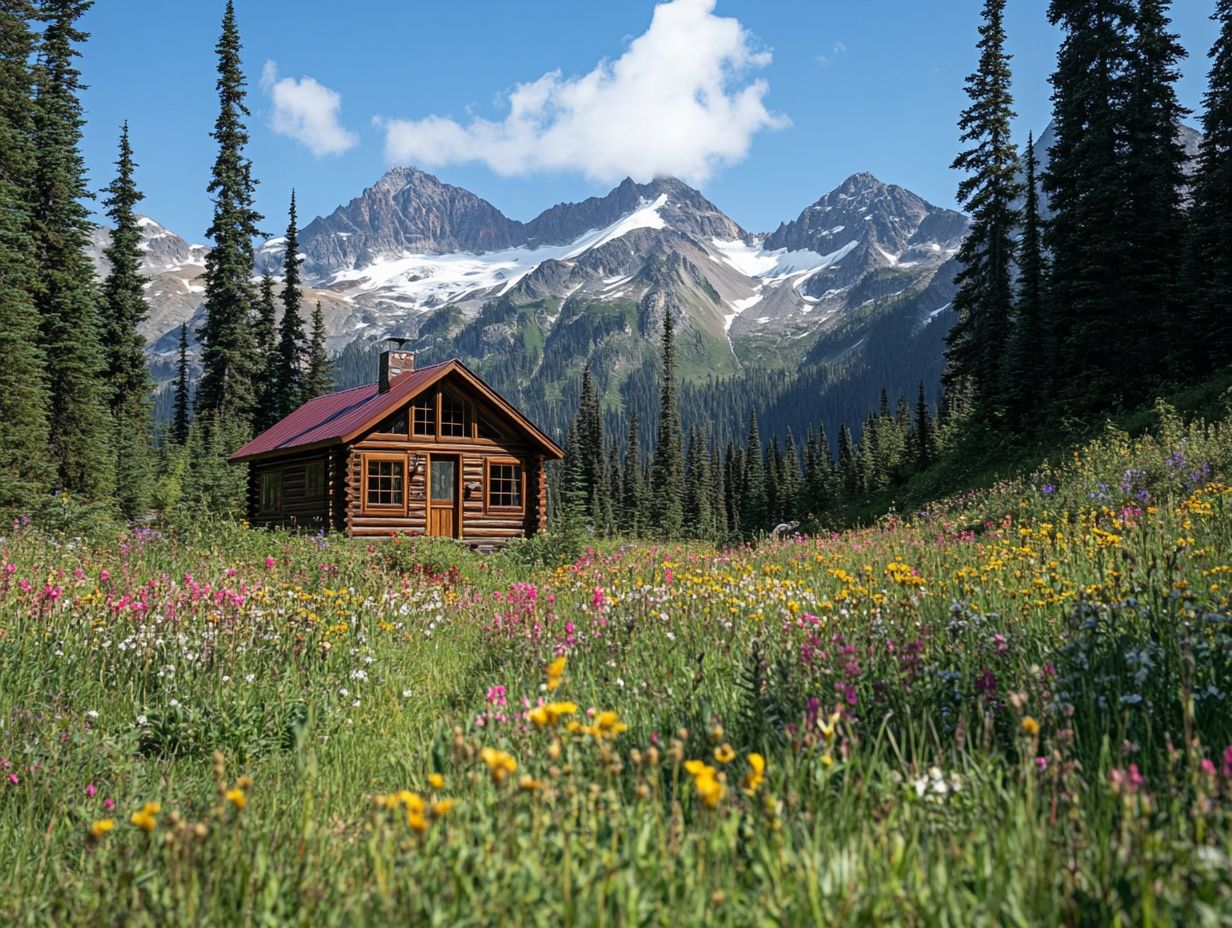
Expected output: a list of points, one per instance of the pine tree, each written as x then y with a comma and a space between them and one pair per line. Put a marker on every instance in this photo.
848, 466
1208, 335
590, 440
123, 310
667, 490
789, 481
718, 496
25, 468
923, 431
290, 389
182, 418
1155, 170
65, 293
1027, 364
1086, 182
266, 349
227, 358
635, 521
753, 514
319, 378
984, 301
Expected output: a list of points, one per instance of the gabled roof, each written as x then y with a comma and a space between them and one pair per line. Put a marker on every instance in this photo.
342, 417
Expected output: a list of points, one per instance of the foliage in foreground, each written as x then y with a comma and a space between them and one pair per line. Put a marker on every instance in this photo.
1015, 708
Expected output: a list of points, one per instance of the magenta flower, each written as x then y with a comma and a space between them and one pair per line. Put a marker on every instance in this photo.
108, 804
269, 563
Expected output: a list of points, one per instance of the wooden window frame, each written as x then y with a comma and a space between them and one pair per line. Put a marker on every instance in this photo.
468, 416
309, 491
488, 508
276, 509
435, 403
367, 508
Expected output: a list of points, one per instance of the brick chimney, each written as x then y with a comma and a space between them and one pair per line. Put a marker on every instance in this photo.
393, 364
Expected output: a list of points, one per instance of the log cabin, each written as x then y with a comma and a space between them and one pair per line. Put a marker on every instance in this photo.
427, 451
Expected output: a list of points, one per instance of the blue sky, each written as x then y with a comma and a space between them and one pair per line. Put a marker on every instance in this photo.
807, 92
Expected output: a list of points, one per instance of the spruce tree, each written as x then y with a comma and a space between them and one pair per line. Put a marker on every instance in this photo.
227, 357
123, 310
319, 378
1086, 182
1155, 170
667, 490
984, 302
634, 521
25, 468
590, 441
182, 417
266, 352
292, 351
848, 466
1028, 362
1207, 341
923, 430
65, 293
753, 514
789, 482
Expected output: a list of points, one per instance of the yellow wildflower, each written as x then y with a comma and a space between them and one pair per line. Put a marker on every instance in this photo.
500, 764
548, 714
555, 672
101, 827
146, 818
1030, 726
529, 784
724, 753
756, 775
237, 798
436, 781
441, 807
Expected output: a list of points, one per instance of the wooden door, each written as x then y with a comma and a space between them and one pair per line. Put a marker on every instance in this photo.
443, 515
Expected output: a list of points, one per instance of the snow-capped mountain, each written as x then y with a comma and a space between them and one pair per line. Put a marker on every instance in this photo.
588, 281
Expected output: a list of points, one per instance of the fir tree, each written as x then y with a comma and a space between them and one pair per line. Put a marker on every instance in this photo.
226, 337
1208, 335
789, 480
590, 443
923, 431
266, 347
290, 389
667, 491
123, 310
1155, 171
634, 521
1086, 182
984, 301
319, 378
24, 401
65, 294
1028, 352
848, 466
753, 514
182, 418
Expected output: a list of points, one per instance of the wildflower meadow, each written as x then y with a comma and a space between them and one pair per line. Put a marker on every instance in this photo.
1014, 708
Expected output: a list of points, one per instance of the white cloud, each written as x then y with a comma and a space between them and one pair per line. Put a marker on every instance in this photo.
307, 112
678, 102
835, 51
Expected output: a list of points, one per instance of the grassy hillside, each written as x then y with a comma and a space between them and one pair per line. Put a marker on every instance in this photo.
1014, 707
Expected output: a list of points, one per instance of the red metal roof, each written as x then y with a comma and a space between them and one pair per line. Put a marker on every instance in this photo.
337, 417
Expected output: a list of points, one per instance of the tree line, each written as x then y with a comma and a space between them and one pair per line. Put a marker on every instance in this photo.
689, 484
75, 391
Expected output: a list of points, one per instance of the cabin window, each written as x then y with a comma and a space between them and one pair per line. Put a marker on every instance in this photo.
314, 479
271, 492
504, 485
424, 410
455, 418
394, 424
383, 483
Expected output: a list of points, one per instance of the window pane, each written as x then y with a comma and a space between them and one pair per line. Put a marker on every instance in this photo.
384, 483
455, 420
444, 473
425, 415
271, 492
505, 486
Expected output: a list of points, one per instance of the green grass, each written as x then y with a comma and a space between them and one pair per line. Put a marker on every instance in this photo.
1014, 708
